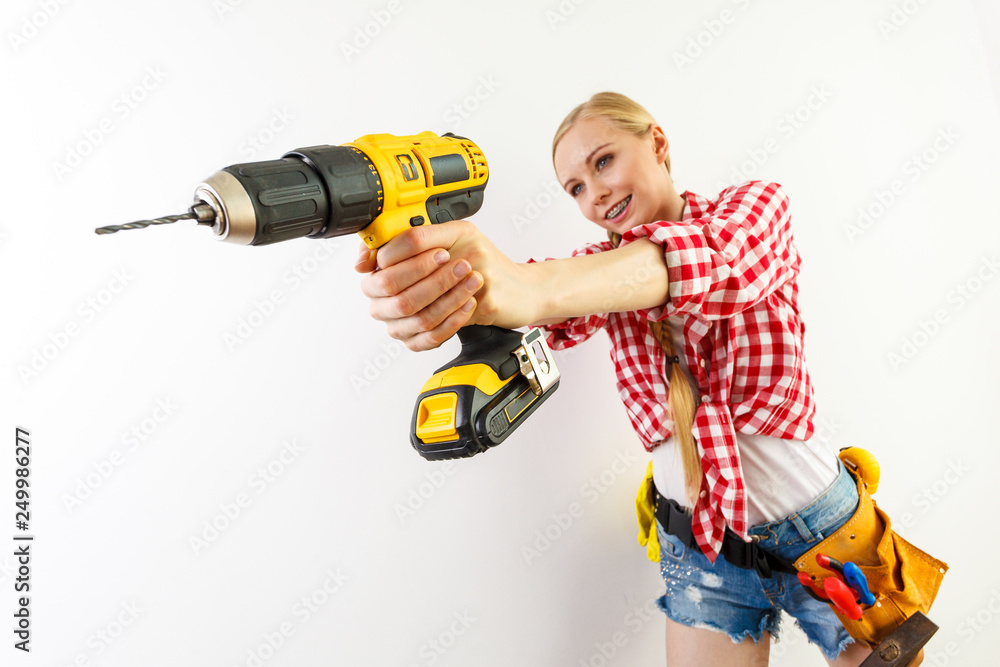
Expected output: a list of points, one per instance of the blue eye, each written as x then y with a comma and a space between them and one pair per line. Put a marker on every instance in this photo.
602, 162
575, 190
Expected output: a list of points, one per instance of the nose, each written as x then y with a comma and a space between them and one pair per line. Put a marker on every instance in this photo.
598, 191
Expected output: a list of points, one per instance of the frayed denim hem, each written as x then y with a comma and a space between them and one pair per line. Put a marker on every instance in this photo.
848, 640
769, 623
828, 653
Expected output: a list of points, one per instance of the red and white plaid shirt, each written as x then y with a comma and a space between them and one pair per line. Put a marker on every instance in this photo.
732, 267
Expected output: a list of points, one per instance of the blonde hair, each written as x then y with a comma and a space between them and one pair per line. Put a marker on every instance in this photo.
624, 113
629, 116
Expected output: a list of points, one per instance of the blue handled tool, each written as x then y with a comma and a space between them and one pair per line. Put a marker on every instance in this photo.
856, 579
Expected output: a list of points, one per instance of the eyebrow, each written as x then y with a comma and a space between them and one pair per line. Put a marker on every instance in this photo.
587, 161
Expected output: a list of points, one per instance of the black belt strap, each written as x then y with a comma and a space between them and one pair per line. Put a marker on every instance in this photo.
746, 555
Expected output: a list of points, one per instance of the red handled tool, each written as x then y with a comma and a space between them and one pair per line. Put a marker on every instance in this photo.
831, 564
834, 590
814, 593
842, 597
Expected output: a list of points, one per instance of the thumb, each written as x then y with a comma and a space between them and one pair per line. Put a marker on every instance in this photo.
366, 262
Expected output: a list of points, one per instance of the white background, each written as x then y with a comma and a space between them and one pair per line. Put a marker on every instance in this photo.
114, 111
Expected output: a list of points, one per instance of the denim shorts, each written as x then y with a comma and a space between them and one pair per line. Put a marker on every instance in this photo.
729, 599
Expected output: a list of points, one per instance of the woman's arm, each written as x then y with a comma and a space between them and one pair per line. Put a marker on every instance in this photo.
433, 280
627, 278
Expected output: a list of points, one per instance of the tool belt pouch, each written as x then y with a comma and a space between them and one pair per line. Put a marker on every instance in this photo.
902, 578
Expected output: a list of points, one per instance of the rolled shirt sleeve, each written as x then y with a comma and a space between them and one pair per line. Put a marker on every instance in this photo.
728, 257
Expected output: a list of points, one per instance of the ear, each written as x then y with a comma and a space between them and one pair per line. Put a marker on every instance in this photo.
660, 143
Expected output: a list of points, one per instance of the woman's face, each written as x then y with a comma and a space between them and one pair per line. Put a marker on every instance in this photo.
617, 178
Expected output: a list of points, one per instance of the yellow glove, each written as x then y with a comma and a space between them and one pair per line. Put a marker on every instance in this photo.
645, 511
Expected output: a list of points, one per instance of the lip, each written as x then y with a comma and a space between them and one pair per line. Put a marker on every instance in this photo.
621, 216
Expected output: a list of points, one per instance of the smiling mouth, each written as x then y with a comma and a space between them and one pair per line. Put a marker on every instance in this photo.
617, 210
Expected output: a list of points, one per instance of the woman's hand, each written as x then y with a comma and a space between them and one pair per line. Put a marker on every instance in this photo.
430, 281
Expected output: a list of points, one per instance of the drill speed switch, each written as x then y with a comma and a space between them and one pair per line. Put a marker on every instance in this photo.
378, 187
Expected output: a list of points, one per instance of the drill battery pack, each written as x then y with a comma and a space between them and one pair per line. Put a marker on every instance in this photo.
476, 400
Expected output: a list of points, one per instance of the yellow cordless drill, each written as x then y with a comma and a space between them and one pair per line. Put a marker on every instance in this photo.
378, 187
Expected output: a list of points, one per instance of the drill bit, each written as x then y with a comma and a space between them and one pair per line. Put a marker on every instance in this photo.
201, 213
139, 224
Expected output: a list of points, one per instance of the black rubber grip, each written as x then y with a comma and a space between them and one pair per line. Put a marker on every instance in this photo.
320, 191
488, 345
352, 185
288, 196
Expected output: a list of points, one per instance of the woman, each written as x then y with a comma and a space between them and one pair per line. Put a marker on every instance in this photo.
699, 298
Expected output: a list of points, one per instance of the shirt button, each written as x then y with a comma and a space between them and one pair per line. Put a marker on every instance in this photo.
701, 362
704, 398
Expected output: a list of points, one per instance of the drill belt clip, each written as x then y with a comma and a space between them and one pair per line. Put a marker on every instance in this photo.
536, 363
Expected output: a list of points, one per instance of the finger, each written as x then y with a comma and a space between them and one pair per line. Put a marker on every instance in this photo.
438, 311
411, 301
448, 328
366, 262
396, 279
417, 240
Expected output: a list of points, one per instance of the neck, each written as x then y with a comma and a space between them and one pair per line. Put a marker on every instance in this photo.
673, 203
673, 206
677, 207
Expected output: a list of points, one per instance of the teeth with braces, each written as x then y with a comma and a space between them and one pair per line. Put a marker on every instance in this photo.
618, 209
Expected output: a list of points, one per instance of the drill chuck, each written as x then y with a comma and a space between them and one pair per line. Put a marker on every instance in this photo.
317, 192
